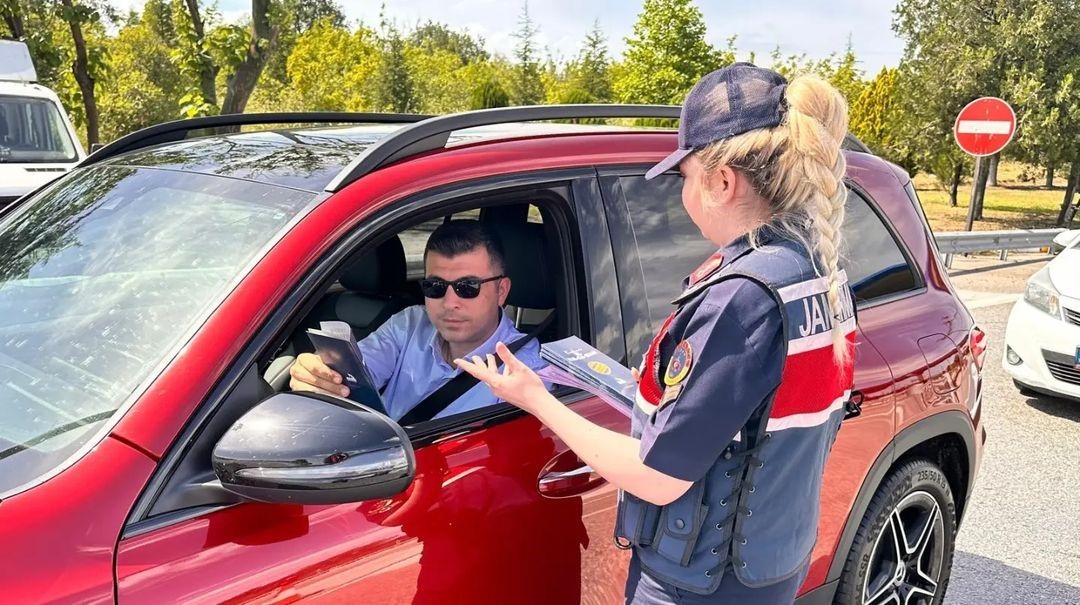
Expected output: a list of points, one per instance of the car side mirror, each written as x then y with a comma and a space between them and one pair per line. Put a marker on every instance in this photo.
313, 449
1064, 240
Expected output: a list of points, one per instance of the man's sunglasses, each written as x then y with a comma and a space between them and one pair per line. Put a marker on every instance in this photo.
466, 287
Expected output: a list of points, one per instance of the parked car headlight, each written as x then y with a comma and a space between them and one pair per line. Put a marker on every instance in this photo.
1040, 293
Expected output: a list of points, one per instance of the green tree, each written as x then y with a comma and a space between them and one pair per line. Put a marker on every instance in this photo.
1043, 84
143, 83
84, 21
294, 17
878, 119
394, 90
35, 22
488, 94
239, 53
444, 66
955, 51
432, 37
842, 71
666, 54
527, 87
332, 69
590, 71
192, 57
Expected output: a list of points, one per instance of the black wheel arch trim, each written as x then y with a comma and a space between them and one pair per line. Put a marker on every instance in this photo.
950, 422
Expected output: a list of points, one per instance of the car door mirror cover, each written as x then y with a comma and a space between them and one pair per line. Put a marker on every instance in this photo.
313, 449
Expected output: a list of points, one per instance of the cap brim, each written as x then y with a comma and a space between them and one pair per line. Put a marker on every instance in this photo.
668, 163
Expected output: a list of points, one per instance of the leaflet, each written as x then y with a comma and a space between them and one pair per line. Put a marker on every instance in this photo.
580, 365
336, 346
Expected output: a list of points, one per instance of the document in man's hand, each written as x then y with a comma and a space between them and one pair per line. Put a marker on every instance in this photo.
336, 346
591, 370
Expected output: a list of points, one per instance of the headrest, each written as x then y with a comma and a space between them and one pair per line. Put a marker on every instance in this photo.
380, 272
525, 248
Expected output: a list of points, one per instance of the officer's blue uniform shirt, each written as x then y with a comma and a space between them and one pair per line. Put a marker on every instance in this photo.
405, 358
716, 363
735, 344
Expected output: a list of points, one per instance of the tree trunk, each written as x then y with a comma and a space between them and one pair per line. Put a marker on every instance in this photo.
207, 70
1070, 190
263, 39
14, 21
994, 160
954, 188
1050, 175
81, 70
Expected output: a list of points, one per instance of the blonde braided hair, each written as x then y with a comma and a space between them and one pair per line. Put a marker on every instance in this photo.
799, 167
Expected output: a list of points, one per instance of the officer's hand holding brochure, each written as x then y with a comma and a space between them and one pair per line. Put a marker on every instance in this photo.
336, 346
574, 363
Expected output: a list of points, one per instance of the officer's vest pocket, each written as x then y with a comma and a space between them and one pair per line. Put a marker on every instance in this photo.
680, 525
636, 519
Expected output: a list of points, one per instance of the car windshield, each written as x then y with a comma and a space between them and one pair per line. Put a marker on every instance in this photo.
31, 131
102, 278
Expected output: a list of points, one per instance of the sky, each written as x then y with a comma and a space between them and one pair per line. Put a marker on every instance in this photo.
816, 28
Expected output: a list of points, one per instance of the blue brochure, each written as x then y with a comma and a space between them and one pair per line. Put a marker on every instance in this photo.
598, 373
336, 346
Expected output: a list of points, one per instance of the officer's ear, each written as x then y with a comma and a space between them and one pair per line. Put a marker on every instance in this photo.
722, 184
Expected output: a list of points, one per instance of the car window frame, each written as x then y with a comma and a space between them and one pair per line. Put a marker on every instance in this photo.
915, 268
302, 296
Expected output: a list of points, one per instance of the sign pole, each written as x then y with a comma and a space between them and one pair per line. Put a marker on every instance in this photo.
974, 194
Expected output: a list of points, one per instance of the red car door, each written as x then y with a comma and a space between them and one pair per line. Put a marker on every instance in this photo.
499, 511
473, 527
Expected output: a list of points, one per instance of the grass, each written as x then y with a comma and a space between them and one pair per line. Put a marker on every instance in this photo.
1016, 203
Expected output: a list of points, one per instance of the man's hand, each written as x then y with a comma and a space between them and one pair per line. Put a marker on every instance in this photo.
309, 373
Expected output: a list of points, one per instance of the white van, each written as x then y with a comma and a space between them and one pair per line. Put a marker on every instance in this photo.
37, 140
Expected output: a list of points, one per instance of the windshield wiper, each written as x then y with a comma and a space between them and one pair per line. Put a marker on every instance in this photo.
64, 428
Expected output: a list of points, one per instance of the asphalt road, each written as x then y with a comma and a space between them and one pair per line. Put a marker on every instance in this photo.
1020, 540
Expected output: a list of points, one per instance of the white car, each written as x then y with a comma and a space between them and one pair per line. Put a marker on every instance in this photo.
37, 141
1042, 338
1064, 240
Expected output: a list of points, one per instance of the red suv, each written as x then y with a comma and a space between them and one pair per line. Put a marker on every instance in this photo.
152, 300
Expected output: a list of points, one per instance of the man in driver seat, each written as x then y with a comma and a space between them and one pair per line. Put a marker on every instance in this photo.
411, 355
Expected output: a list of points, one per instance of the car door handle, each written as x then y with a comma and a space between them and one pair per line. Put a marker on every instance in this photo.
568, 484
554, 477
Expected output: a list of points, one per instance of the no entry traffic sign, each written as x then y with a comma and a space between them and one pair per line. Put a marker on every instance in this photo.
985, 126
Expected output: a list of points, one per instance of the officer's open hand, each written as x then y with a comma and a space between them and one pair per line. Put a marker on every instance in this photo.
309, 373
516, 384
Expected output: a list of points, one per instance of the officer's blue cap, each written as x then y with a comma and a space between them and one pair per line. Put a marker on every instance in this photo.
727, 102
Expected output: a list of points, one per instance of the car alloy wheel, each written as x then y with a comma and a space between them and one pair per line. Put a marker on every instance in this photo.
907, 557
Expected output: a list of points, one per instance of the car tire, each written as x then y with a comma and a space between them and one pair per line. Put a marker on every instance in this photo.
904, 545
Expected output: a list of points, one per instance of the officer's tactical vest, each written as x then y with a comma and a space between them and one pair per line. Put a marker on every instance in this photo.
757, 506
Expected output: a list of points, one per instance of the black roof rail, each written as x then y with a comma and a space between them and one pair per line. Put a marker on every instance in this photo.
433, 133
178, 130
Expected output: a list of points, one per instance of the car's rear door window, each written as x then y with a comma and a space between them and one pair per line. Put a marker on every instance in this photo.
670, 246
876, 265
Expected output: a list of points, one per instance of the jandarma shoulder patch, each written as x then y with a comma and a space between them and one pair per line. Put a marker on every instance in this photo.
679, 365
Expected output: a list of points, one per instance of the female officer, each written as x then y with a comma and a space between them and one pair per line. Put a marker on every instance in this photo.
742, 391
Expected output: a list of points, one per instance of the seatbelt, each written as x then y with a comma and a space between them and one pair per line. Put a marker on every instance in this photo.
438, 401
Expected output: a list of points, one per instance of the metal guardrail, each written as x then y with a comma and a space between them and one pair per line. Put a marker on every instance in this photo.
964, 242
